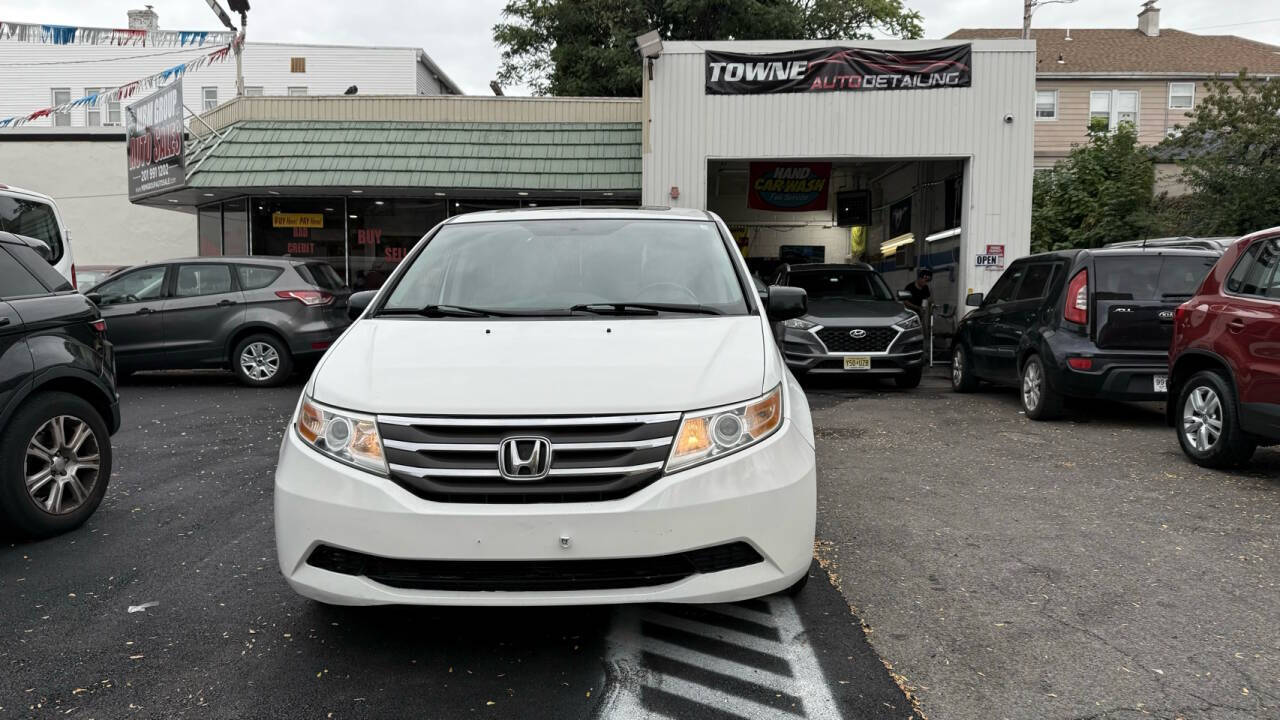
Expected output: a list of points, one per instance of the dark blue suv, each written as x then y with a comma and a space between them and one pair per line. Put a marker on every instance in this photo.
58, 405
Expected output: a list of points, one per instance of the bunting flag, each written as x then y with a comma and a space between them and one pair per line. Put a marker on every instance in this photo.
72, 35
128, 90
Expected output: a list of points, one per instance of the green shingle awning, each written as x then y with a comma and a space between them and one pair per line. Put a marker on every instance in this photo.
477, 156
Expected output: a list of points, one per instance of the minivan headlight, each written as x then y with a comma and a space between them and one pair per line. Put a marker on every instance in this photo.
709, 434
345, 436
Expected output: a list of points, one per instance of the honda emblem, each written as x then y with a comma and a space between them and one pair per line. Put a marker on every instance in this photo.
524, 458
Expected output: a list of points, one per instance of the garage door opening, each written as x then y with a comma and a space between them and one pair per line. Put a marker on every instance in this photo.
897, 216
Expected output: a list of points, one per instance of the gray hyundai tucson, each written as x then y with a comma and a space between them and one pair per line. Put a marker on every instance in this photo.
855, 325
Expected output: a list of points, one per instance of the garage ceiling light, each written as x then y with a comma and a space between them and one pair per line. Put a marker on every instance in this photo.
895, 243
943, 235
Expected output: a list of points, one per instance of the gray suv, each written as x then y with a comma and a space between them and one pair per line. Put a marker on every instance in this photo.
854, 325
256, 315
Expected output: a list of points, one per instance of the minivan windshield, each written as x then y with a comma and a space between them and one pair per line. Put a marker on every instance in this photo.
563, 267
840, 284
33, 219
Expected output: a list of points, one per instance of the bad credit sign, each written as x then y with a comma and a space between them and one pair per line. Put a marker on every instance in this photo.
154, 134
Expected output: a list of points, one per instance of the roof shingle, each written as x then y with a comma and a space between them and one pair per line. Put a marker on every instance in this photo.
1119, 51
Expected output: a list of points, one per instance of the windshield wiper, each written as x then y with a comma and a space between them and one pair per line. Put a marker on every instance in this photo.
434, 311
630, 308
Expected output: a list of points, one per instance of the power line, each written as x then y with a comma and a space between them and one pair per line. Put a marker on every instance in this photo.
1247, 22
112, 59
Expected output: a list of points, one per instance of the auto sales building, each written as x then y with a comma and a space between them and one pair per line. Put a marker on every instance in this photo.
903, 154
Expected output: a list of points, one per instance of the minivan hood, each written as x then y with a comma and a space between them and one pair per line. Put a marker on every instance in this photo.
834, 311
418, 366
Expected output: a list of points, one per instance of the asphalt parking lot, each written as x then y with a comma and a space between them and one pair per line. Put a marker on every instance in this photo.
1004, 568
169, 604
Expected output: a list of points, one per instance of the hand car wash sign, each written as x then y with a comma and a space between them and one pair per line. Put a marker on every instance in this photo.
154, 131
788, 187
838, 70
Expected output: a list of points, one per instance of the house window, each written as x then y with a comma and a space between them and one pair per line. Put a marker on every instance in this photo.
1109, 108
104, 113
297, 91
253, 91
61, 96
298, 65
1046, 105
1182, 96
209, 97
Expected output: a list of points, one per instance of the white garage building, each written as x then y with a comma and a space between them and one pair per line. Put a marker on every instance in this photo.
927, 144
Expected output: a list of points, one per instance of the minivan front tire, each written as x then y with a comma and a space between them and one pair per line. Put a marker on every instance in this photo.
1039, 400
1208, 422
262, 360
38, 459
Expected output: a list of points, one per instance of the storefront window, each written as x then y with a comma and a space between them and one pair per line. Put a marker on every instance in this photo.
310, 228
381, 232
461, 207
209, 230
235, 228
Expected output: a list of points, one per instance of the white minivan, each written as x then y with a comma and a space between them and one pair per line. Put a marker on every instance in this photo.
24, 212
557, 406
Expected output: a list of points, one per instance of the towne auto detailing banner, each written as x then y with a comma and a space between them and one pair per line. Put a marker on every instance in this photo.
788, 187
153, 127
838, 70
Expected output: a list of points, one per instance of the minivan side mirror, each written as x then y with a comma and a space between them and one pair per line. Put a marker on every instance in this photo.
786, 302
358, 302
904, 295
93, 297
973, 299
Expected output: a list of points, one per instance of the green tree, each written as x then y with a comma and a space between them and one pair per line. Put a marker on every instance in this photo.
1229, 154
587, 47
1100, 193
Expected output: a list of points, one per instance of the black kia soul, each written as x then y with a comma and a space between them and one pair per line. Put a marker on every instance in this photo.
58, 404
1078, 323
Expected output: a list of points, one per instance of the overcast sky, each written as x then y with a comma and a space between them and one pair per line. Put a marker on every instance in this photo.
458, 35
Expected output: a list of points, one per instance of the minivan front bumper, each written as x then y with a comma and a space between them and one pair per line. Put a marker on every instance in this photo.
334, 522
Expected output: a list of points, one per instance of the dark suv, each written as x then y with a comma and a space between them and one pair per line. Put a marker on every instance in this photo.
1224, 385
854, 325
255, 315
58, 406
1079, 323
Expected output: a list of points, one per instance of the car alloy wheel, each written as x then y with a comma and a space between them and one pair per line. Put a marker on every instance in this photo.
1032, 386
260, 361
957, 368
1202, 418
62, 463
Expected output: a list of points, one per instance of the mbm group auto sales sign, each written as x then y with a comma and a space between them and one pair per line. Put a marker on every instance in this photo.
838, 69
154, 130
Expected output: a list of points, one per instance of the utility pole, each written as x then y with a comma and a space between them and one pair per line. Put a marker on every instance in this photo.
242, 7
1028, 8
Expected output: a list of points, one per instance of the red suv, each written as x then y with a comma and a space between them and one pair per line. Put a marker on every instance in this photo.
1224, 384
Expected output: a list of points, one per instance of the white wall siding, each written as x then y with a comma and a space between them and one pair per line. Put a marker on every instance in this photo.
88, 181
687, 128
330, 70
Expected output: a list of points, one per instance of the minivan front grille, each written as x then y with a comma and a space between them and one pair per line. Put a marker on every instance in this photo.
874, 339
533, 575
456, 459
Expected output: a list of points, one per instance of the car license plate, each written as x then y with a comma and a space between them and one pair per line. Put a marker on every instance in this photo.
1161, 383
857, 362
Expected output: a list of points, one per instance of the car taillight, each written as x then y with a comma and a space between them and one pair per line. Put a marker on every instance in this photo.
99, 325
1181, 312
1080, 363
74, 284
1076, 308
306, 297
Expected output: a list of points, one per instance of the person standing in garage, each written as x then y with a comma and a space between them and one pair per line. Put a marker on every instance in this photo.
919, 289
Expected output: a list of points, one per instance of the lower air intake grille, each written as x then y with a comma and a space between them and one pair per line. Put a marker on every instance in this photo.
530, 575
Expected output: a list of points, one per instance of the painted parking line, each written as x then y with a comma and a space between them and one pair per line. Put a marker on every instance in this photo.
749, 660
